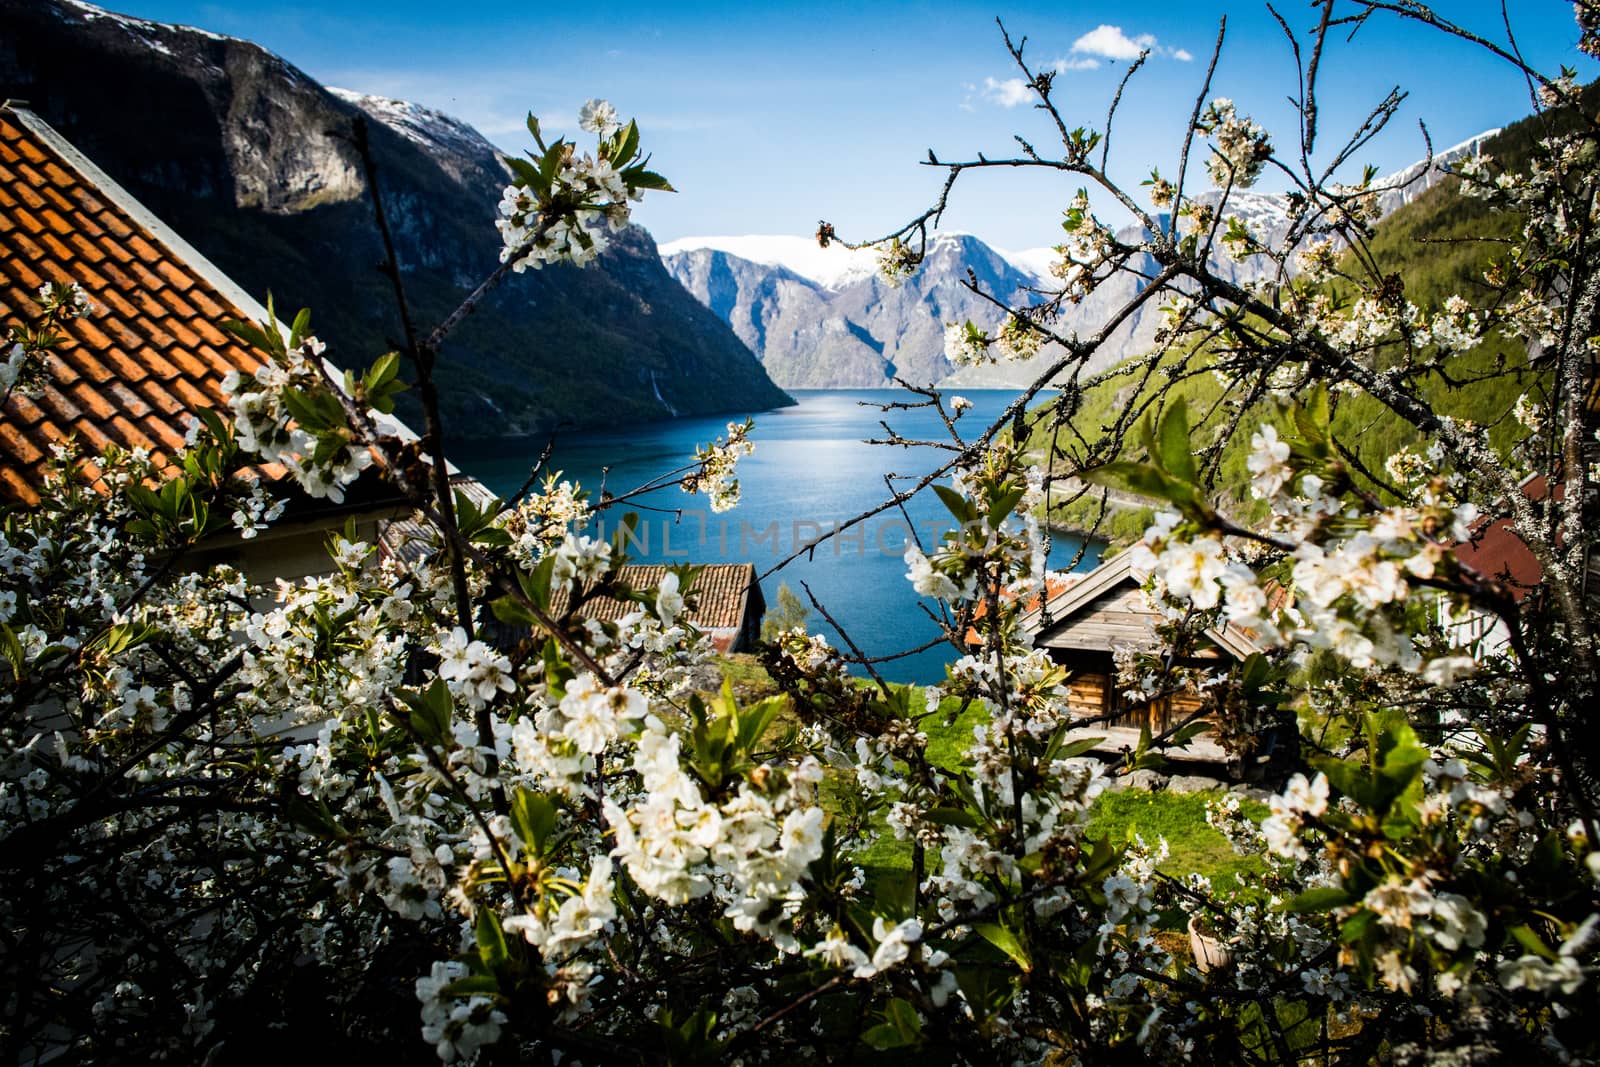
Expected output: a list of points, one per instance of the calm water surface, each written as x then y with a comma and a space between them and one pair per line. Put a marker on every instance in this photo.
810, 471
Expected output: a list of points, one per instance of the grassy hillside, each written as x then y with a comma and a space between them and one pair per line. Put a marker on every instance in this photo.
1438, 245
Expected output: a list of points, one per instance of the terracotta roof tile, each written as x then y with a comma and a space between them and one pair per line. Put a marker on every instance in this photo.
157, 365
54, 271
60, 202
15, 486
97, 403
207, 306
116, 302
27, 188
155, 393
87, 249
175, 275
149, 354
93, 436
176, 303
115, 225
25, 410
18, 444
141, 247
130, 434
82, 359
58, 405
56, 247
192, 396
60, 177
212, 334
53, 219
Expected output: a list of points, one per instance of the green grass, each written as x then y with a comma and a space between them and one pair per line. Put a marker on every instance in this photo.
749, 678
1180, 818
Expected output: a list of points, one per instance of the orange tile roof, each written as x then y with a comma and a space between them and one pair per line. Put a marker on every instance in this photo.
148, 353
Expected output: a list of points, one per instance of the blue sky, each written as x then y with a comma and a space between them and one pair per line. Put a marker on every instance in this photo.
770, 117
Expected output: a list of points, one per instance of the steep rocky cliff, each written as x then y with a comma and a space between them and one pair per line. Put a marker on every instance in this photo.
251, 161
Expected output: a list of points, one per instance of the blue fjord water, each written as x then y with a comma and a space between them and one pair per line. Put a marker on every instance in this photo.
811, 471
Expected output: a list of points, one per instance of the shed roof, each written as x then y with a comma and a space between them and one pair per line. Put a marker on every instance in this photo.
722, 593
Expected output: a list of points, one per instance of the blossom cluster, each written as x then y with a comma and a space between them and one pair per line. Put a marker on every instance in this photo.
264, 424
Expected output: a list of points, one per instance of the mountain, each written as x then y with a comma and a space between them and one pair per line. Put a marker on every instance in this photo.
822, 317
251, 161
825, 318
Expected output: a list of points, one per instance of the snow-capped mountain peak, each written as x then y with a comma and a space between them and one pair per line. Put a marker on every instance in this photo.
423, 126
142, 28
832, 267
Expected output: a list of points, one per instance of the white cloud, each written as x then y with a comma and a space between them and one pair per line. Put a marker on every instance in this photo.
1078, 63
1110, 42
1008, 93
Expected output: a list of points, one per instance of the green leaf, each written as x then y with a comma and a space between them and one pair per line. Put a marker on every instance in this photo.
754, 720
300, 329
1002, 504
640, 178
1188, 733
11, 647
1141, 479
1323, 899
537, 584
1061, 748
1172, 442
1006, 941
626, 144
523, 169
1532, 942
1349, 778
1356, 927
902, 1026
952, 817
384, 370
533, 816
431, 711
958, 505
491, 940
512, 612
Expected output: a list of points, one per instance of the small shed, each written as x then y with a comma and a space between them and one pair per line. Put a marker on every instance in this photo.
724, 601
1084, 620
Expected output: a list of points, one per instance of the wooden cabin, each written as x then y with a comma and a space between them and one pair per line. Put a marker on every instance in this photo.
1085, 619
